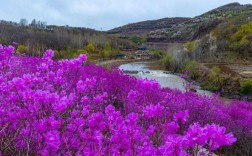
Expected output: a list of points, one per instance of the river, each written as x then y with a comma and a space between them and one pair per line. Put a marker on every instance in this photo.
164, 78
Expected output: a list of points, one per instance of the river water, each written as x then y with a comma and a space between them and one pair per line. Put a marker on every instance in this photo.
164, 78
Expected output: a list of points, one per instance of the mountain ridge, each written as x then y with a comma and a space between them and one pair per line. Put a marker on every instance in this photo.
144, 26
182, 29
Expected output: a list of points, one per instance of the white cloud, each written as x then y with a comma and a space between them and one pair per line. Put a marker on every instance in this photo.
104, 14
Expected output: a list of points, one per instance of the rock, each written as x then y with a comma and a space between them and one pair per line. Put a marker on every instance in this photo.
131, 71
166, 72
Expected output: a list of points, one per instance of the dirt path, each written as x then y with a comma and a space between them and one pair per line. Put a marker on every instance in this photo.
233, 70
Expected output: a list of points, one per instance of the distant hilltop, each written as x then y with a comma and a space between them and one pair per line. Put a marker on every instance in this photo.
182, 29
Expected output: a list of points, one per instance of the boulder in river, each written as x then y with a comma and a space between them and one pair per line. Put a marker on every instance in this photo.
131, 71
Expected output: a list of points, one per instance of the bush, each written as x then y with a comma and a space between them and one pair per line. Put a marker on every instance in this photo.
158, 54
190, 46
246, 86
215, 78
167, 61
22, 49
69, 107
83, 51
107, 51
232, 56
241, 40
207, 85
191, 66
137, 40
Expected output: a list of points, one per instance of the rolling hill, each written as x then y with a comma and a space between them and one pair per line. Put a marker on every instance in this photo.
182, 29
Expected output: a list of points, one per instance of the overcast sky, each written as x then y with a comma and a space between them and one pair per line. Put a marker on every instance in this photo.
104, 14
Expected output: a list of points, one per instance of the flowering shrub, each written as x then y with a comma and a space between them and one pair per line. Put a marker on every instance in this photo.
69, 107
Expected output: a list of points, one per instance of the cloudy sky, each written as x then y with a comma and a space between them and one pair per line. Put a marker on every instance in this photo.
104, 14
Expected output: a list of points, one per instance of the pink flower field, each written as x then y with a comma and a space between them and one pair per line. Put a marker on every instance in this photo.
71, 107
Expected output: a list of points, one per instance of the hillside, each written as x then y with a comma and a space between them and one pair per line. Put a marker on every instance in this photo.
143, 28
184, 29
229, 10
64, 39
217, 43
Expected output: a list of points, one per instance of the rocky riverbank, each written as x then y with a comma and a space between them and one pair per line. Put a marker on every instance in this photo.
231, 77
111, 63
117, 62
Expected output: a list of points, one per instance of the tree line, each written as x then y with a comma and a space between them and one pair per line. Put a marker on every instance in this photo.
67, 41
